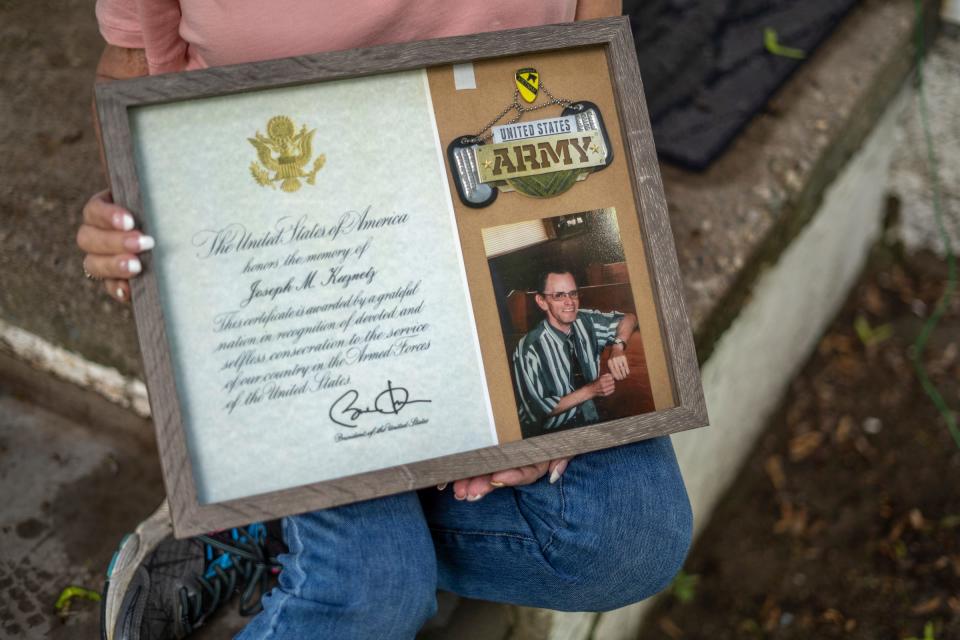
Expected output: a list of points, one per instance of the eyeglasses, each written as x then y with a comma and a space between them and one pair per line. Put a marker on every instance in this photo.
557, 296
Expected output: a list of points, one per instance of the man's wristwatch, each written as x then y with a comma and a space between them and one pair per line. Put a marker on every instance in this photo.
621, 342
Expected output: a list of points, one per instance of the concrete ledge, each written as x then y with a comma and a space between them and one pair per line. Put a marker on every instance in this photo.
28, 357
734, 220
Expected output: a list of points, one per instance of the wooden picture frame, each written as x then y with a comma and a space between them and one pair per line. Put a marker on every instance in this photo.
646, 238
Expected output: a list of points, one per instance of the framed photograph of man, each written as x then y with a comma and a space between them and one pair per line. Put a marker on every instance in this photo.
383, 269
569, 321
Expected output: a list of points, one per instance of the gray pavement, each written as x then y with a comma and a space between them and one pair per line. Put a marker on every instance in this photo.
70, 491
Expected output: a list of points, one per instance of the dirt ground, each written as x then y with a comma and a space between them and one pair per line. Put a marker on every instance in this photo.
845, 522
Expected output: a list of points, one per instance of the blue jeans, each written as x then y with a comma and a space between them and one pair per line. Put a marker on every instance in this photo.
612, 531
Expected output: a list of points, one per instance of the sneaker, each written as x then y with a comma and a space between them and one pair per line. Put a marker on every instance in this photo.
160, 588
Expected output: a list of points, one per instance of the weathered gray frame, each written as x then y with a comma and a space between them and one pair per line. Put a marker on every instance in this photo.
190, 517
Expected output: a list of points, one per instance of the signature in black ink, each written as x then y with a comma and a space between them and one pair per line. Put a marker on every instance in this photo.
388, 402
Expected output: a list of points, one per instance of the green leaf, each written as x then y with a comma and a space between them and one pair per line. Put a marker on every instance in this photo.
684, 587
927, 633
871, 335
68, 594
951, 521
772, 44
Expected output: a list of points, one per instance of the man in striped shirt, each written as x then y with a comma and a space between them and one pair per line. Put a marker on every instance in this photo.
556, 366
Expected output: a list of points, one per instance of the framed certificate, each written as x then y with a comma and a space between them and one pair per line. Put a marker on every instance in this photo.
382, 269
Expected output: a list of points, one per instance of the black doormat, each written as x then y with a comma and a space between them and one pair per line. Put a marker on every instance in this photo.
706, 69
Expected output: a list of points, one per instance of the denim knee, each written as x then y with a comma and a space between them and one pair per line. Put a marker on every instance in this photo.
371, 565
626, 540
650, 560
616, 573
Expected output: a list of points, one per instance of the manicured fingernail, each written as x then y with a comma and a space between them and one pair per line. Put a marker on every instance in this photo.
498, 485
138, 243
133, 265
459, 496
123, 221
120, 293
557, 472
441, 487
473, 498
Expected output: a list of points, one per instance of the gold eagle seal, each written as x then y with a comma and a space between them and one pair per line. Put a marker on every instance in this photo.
285, 152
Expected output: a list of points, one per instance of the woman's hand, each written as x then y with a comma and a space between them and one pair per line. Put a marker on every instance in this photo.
108, 238
472, 489
107, 235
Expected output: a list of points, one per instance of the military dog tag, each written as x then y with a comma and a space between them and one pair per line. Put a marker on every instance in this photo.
534, 166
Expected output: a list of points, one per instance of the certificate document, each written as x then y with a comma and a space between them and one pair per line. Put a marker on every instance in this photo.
328, 315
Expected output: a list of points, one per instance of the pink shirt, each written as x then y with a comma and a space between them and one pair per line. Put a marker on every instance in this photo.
193, 34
